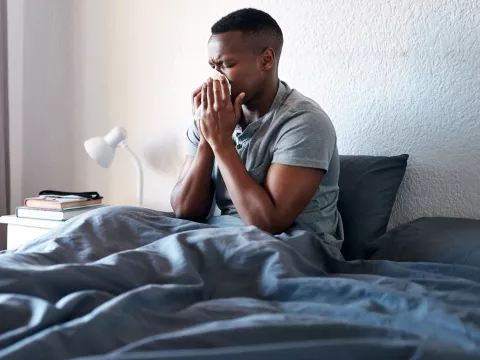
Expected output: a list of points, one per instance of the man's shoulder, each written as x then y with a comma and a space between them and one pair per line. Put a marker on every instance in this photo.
297, 104
296, 100
300, 110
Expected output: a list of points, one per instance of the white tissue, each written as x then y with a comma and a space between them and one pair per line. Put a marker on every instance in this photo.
215, 75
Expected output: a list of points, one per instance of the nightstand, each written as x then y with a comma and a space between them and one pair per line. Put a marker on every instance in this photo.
22, 230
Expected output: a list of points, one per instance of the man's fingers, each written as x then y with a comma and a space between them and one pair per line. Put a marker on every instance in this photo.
218, 93
225, 89
210, 96
197, 91
204, 96
238, 106
198, 100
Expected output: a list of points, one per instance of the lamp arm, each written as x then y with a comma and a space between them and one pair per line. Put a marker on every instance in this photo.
139, 168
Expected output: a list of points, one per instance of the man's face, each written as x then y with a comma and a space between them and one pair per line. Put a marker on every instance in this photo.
233, 55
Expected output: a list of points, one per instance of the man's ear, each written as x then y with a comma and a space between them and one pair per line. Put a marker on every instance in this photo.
268, 59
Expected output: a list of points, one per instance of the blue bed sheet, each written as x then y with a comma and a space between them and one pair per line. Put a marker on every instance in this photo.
128, 283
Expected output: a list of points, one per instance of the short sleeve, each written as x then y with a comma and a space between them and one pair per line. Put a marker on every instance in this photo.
193, 139
308, 139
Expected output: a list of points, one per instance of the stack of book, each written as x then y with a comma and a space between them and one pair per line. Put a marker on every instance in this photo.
60, 208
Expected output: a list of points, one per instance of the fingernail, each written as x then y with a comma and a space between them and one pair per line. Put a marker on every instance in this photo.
242, 95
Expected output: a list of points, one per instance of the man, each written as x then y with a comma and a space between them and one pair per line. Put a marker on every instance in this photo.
267, 153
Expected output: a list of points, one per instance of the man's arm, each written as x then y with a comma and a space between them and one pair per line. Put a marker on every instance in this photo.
192, 197
288, 190
301, 153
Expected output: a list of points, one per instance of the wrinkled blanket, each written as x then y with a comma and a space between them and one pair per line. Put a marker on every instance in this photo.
129, 283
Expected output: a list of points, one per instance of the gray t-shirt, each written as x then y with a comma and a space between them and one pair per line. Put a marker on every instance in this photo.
295, 131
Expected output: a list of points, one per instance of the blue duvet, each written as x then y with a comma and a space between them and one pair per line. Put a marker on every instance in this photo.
128, 283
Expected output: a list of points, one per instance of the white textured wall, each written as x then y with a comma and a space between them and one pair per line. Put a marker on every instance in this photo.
398, 76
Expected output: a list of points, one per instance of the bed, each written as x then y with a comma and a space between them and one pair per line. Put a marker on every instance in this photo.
129, 283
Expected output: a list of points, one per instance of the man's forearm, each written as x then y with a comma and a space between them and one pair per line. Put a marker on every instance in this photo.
252, 201
192, 196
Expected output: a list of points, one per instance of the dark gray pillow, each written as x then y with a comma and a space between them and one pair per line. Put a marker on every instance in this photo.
368, 188
436, 239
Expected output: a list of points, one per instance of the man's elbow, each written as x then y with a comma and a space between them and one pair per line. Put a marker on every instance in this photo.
272, 226
181, 214
189, 212
184, 210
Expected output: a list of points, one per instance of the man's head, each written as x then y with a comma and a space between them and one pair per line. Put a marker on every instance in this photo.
245, 46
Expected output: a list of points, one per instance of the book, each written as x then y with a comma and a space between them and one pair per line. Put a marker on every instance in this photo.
60, 203
48, 214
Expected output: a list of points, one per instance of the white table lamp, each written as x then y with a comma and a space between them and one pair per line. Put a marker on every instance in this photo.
102, 150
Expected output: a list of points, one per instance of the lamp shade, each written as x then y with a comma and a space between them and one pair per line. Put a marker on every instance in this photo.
102, 148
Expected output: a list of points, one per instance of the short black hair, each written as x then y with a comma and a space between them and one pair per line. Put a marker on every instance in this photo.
251, 21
